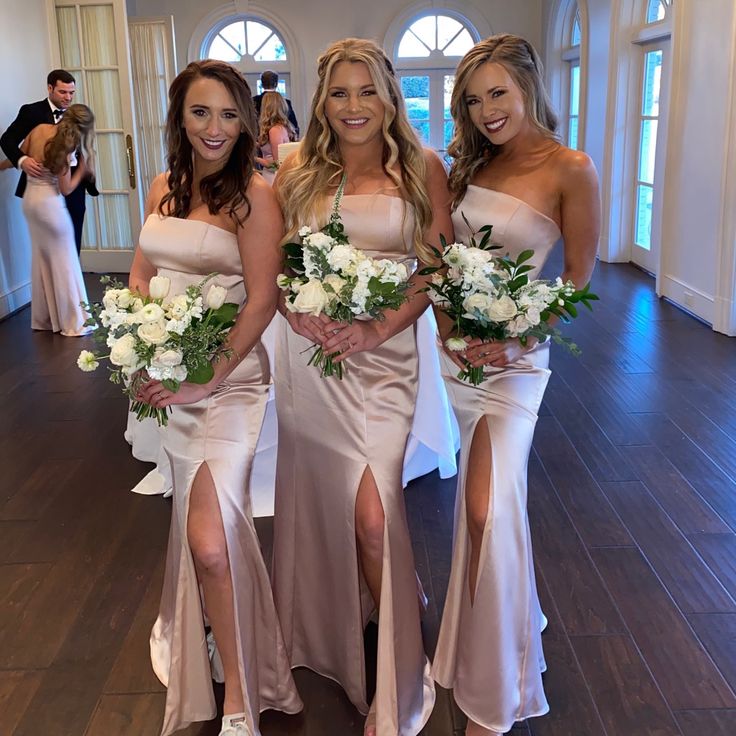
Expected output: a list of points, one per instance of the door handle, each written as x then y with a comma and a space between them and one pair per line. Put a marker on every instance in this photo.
131, 160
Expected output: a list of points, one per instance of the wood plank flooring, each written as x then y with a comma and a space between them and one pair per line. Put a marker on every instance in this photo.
632, 505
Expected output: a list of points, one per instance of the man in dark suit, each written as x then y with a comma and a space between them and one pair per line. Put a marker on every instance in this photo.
269, 82
61, 87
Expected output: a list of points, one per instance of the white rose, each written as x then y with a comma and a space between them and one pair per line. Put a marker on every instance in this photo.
153, 333
158, 287
477, 302
335, 282
216, 296
151, 313
502, 309
87, 361
455, 344
533, 315
169, 358
312, 298
122, 352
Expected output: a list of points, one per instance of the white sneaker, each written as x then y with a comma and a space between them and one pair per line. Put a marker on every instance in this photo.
235, 725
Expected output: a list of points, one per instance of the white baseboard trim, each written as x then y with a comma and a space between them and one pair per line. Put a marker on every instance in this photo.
15, 298
689, 298
725, 319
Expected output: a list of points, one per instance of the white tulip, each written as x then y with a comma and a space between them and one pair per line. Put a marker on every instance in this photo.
158, 287
216, 296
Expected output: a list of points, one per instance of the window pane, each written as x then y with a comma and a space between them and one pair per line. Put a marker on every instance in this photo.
66, 20
98, 35
572, 133
411, 46
272, 50
222, 50
257, 34
655, 11
647, 150
422, 128
426, 29
449, 83
447, 29
574, 89
416, 94
461, 45
652, 83
644, 216
576, 33
448, 132
234, 34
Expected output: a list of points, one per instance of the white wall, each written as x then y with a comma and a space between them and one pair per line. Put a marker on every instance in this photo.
25, 57
316, 23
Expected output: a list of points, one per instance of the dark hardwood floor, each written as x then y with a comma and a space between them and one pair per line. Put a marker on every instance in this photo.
632, 503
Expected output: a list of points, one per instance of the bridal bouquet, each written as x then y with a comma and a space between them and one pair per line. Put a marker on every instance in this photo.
491, 297
329, 276
171, 339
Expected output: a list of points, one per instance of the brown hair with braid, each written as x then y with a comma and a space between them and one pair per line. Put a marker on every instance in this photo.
75, 130
319, 166
469, 148
223, 189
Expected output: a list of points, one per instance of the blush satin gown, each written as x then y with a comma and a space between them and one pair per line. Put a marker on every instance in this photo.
490, 652
220, 431
330, 432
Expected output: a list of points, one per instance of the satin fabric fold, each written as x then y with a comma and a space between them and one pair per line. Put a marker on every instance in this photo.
490, 652
222, 432
330, 431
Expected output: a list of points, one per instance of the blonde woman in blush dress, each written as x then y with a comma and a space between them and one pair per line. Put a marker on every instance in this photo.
207, 214
274, 129
57, 287
510, 171
341, 541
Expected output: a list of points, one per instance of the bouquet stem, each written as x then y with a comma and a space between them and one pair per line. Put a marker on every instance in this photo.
326, 364
146, 411
472, 374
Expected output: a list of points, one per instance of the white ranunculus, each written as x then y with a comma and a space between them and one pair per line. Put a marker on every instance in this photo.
87, 361
122, 352
478, 302
311, 299
454, 254
216, 296
178, 306
455, 344
153, 333
151, 313
502, 309
158, 287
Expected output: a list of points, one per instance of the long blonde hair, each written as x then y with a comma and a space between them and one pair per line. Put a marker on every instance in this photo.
469, 148
75, 130
274, 111
319, 164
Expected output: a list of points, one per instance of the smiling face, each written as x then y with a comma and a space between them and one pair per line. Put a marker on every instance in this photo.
352, 107
496, 103
62, 94
211, 121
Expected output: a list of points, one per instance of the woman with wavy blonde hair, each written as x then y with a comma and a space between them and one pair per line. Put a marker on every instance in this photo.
274, 128
511, 172
342, 551
57, 287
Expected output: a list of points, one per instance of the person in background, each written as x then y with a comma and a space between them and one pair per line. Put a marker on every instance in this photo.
61, 87
270, 83
274, 129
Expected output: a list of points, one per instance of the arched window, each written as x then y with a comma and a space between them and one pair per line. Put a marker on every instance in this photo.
426, 52
657, 10
253, 46
571, 59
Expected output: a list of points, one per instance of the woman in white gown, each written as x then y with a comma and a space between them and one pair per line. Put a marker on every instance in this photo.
509, 171
209, 213
57, 287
